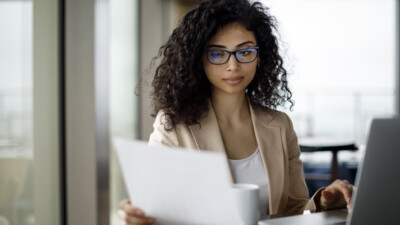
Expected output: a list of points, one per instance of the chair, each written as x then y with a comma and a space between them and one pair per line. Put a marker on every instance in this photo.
323, 145
12, 181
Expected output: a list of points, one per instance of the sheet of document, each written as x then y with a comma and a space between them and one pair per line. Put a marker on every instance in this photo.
177, 186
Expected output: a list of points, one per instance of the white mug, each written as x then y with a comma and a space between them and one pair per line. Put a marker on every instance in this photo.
246, 197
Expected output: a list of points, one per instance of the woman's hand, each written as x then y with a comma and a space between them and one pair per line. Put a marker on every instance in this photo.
337, 195
131, 215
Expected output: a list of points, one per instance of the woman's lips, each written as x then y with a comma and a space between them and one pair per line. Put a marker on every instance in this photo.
233, 80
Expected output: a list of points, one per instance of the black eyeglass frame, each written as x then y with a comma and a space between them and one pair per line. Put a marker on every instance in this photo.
230, 53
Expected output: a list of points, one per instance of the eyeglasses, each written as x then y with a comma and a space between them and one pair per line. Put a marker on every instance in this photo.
243, 55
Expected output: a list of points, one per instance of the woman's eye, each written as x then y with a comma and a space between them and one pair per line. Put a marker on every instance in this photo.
244, 52
216, 54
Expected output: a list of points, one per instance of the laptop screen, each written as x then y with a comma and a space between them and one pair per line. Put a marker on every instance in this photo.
376, 198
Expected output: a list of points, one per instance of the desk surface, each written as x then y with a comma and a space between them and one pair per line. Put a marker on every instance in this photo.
325, 141
320, 218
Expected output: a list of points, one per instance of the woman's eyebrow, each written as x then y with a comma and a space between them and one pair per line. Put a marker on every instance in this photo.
222, 46
216, 46
246, 42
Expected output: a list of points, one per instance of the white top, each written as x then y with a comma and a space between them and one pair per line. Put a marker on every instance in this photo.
251, 171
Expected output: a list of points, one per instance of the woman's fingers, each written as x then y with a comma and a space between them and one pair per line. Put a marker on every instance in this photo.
347, 191
130, 209
327, 198
128, 220
336, 195
130, 214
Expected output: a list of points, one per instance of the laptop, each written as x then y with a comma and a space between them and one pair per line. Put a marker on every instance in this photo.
376, 199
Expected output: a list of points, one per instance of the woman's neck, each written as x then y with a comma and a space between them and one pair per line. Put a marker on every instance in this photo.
230, 107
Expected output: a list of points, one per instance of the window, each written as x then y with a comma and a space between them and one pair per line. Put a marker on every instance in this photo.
341, 59
29, 126
123, 77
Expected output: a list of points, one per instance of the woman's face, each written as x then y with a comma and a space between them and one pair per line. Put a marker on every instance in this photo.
232, 77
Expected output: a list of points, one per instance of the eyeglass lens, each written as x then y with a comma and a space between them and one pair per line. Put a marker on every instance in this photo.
218, 56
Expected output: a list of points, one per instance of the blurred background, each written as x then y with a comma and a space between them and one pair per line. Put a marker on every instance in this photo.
69, 76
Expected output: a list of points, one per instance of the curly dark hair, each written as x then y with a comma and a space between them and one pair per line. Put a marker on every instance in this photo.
181, 88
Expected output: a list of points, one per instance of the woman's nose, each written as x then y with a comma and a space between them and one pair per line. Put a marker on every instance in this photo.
232, 64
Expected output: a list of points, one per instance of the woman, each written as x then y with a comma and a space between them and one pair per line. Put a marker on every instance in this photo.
219, 82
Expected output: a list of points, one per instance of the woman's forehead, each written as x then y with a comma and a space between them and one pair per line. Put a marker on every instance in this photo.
232, 35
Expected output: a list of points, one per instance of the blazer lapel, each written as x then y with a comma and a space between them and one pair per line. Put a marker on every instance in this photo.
207, 135
269, 142
269, 139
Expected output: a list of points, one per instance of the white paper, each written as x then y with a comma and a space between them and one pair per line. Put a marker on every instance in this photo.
177, 186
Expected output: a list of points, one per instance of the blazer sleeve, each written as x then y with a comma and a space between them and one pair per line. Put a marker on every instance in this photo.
298, 199
161, 136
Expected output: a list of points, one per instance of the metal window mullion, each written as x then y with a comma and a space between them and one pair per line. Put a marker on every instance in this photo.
102, 109
87, 129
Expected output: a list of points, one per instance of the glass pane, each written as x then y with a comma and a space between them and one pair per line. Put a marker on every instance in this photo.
342, 68
29, 188
124, 76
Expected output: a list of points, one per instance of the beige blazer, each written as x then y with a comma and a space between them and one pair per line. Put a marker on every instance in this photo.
276, 141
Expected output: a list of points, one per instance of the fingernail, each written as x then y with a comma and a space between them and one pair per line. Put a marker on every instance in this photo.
151, 220
139, 213
121, 213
